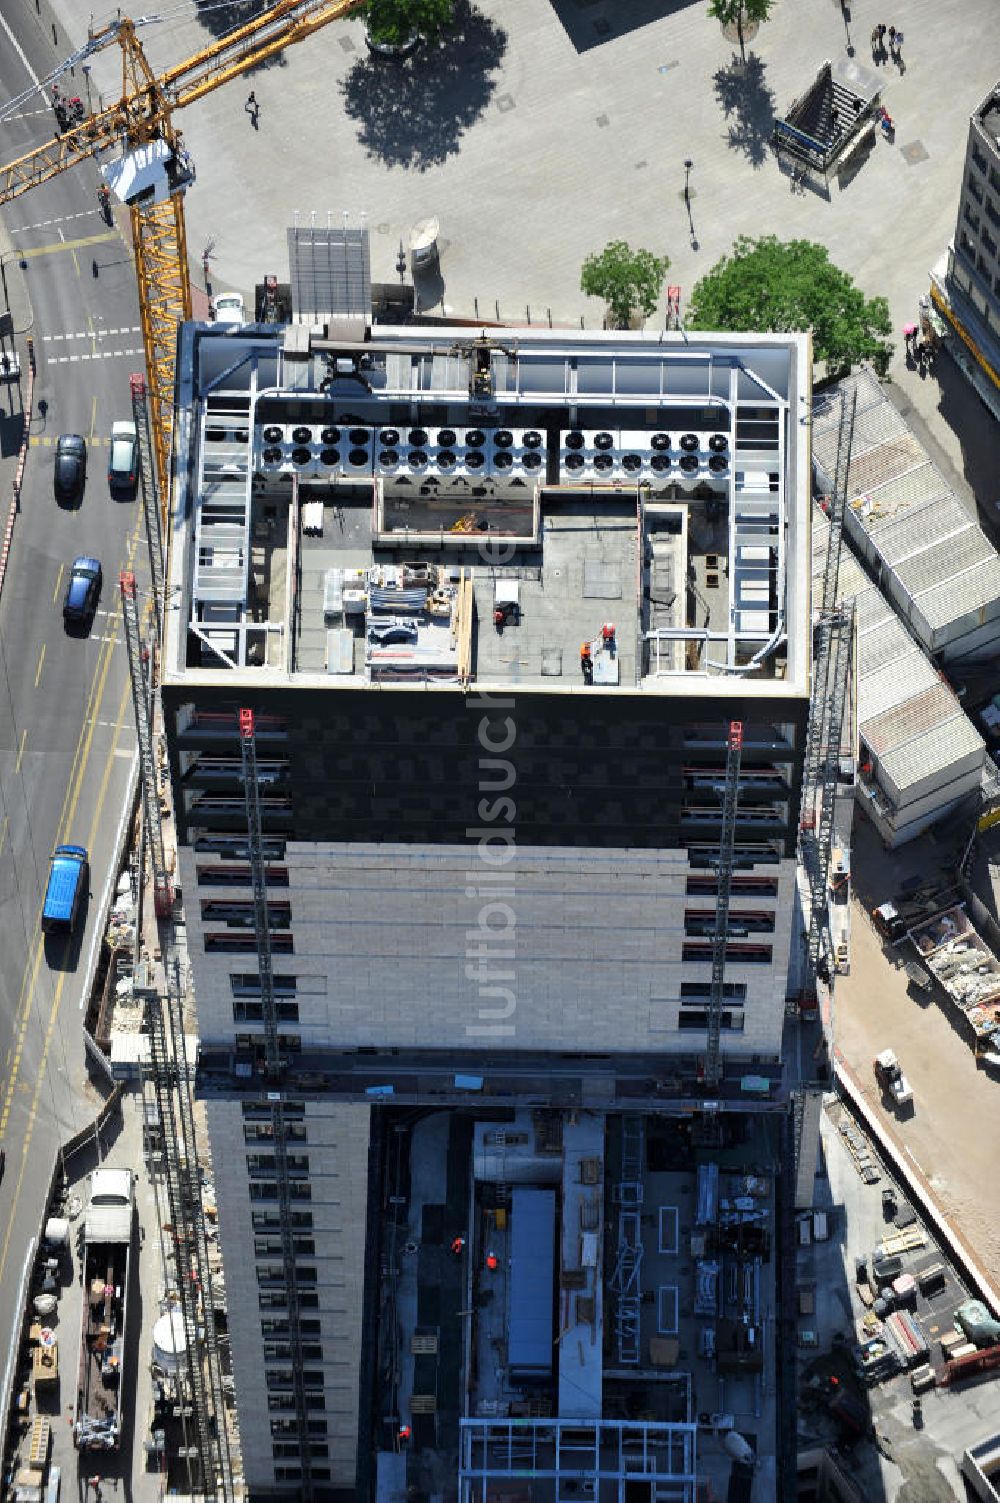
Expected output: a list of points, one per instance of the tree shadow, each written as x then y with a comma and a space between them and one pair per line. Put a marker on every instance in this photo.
748, 105
414, 113
588, 23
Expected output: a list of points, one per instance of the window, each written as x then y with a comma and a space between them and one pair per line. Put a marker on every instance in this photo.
235, 943
268, 1190
706, 856
265, 1221
288, 1448
742, 952
234, 846
281, 1351
979, 160
700, 991
971, 218
270, 1274
701, 921
989, 244
277, 1299
247, 983
761, 887
697, 1017
263, 1111
254, 1132
966, 246
975, 187
263, 1163
994, 177
253, 1012
239, 913
276, 1326
290, 1427
239, 876
992, 213
269, 1247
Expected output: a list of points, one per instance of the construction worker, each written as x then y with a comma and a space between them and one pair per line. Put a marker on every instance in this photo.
492, 1262
499, 618
608, 637
458, 1246
586, 663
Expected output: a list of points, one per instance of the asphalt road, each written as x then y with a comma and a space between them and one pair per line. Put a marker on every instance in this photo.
67, 741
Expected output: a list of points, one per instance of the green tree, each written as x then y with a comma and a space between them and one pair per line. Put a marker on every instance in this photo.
740, 13
627, 280
776, 286
393, 22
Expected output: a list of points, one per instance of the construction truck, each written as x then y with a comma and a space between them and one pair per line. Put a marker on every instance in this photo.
891, 1078
97, 1420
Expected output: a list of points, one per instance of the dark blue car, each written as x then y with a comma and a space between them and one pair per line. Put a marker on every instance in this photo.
82, 592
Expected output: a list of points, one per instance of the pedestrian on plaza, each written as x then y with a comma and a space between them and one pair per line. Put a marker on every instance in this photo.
881, 33
892, 39
876, 43
253, 109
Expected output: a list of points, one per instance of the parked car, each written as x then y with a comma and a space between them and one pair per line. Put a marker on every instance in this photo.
123, 459
69, 475
82, 592
228, 308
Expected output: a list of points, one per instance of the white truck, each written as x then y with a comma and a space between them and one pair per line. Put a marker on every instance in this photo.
97, 1418
891, 1079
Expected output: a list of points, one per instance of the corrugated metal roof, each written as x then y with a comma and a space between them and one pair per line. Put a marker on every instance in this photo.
893, 685
872, 608
946, 559
895, 537
896, 727
870, 473
976, 589
940, 747
885, 642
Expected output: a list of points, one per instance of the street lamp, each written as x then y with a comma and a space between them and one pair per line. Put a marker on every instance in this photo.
688, 164
401, 264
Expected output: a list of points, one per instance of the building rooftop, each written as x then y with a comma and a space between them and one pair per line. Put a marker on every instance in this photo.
940, 570
551, 509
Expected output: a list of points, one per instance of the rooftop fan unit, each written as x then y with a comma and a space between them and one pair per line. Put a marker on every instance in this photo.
690, 443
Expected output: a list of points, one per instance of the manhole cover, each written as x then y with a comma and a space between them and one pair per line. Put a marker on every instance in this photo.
914, 152
347, 44
603, 120
505, 103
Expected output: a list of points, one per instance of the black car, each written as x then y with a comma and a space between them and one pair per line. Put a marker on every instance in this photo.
82, 592
70, 474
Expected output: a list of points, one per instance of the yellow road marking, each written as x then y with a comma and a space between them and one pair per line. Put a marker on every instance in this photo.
38, 670
55, 592
57, 995
70, 799
69, 245
93, 421
20, 751
3, 834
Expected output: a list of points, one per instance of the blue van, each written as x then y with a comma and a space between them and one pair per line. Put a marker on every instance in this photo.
69, 880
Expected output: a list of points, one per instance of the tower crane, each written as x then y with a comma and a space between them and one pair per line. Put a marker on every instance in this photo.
150, 170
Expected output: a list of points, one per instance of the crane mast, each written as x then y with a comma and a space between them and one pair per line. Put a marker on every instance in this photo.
727, 846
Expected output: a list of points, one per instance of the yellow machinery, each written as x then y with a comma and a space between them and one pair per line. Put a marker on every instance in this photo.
139, 130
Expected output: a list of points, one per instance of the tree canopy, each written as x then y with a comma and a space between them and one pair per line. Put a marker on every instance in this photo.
628, 280
741, 14
780, 286
394, 22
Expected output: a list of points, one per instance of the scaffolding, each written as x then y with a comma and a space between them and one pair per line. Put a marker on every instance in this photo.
625, 1281
832, 649
274, 1064
150, 497
169, 1074
142, 704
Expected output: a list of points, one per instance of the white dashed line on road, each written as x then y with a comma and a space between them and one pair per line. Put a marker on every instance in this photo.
44, 224
95, 333
97, 355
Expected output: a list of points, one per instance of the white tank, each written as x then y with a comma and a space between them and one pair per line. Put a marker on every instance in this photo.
169, 1341
736, 1447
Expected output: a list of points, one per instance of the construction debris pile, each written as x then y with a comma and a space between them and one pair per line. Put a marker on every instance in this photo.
966, 968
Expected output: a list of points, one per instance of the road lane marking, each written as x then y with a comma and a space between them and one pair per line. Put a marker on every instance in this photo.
93, 420
57, 996
38, 670
69, 245
97, 355
20, 752
55, 592
3, 837
93, 334
43, 224
20, 52
71, 797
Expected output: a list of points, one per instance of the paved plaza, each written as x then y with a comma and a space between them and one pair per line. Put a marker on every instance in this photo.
548, 127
